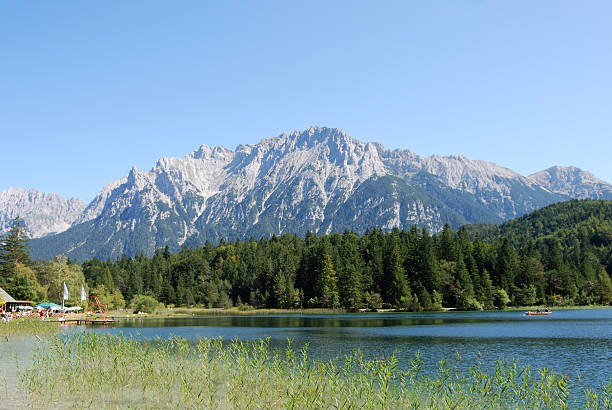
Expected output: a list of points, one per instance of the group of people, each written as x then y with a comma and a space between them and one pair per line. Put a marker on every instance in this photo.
6, 316
44, 314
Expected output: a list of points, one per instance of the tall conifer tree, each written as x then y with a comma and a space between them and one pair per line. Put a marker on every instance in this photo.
13, 250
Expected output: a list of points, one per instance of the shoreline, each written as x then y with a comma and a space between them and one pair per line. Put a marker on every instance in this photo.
194, 311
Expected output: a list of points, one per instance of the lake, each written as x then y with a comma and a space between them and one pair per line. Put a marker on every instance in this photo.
573, 342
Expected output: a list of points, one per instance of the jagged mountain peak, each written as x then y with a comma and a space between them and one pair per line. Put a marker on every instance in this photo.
312, 136
319, 179
573, 181
207, 152
42, 213
569, 173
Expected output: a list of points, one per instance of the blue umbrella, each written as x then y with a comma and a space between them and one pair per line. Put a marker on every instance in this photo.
49, 305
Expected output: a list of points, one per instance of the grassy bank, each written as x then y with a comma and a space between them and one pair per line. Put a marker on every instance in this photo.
234, 311
100, 371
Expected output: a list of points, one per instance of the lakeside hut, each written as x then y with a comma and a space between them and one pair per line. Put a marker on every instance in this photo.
9, 304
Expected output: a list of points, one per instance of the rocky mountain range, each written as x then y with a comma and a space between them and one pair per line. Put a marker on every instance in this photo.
573, 182
319, 179
43, 213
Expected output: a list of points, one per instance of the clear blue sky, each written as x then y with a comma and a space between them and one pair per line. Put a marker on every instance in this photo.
88, 89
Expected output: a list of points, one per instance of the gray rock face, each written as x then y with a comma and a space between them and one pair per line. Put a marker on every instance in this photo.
42, 213
573, 182
319, 179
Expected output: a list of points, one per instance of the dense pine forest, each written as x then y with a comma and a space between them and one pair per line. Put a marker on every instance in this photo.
557, 256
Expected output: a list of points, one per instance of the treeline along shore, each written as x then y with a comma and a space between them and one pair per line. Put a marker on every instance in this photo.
558, 256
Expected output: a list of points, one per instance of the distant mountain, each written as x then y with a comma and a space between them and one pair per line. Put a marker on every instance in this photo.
319, 179
43, 214
573, 182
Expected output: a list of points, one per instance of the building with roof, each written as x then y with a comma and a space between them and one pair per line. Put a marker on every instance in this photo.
7, 302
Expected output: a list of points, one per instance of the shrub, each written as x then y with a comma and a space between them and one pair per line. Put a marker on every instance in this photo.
470, 303
500, 296
144, 303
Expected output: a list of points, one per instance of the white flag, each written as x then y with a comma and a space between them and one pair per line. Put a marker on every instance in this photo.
65, 292
83, 294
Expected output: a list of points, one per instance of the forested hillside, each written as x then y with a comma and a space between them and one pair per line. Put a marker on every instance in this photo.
560, 255
583, 220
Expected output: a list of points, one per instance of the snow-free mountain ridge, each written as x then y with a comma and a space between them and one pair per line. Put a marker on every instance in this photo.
319, 179
573, 182
42, 213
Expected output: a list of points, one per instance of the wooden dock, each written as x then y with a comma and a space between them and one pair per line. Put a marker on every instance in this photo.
88, 321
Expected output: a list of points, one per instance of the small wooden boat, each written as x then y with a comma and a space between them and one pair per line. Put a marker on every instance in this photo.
538, 312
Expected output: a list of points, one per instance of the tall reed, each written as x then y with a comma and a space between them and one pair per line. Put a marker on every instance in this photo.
103, 371
28, 326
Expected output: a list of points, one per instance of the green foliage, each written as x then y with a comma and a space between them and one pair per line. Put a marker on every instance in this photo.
28, 326
144, 303
113, 298
500, 298
53, 275
470, 303
436, 301
605, 286
13, 251
559, 255
24, 284
373, 301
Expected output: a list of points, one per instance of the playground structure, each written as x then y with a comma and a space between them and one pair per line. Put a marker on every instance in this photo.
94, 306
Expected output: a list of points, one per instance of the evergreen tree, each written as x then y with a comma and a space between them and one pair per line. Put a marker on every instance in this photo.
327, 285
396, 287
562, 263
506, 266
349, 271
446, 244
605, 287
428, 269
464, 280
13, 250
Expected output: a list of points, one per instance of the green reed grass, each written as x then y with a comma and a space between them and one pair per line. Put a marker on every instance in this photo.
102, 371
27, 327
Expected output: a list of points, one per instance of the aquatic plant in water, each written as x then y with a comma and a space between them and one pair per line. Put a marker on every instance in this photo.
28, 326
103, 371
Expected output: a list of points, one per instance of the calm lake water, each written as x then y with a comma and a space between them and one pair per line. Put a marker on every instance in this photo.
574, 342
